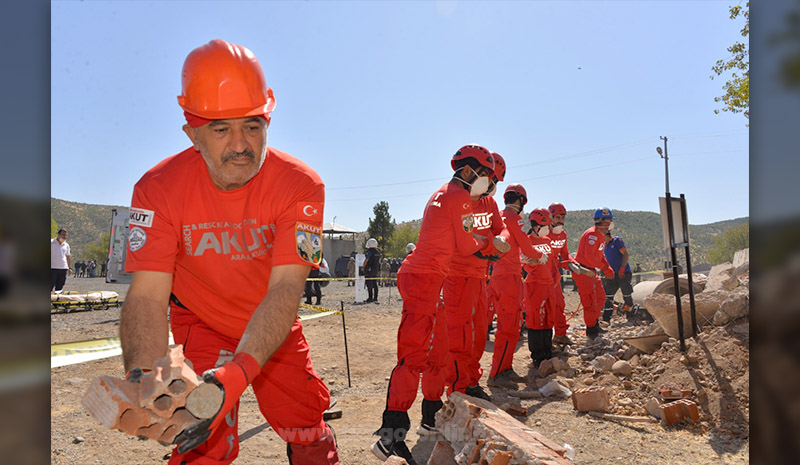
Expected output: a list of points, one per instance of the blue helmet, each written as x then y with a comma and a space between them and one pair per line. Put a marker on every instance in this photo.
602, 213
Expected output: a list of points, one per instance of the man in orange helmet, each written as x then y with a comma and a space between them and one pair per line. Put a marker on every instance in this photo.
224, 236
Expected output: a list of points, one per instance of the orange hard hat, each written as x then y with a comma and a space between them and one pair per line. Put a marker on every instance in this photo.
222, 80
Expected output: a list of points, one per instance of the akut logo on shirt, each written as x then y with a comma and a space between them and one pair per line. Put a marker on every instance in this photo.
544, 248
242, 241
482, 220
558, 243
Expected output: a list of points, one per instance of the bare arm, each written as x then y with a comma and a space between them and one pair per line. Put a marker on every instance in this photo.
624, 252
143, 328
275, 315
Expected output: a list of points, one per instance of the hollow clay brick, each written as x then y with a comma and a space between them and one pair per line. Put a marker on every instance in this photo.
678, 411
590, 399
156, 406
482, 433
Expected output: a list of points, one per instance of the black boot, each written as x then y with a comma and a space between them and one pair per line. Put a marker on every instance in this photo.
607, 312
548, 342
429, 409
593, 331
393, 436
536, 343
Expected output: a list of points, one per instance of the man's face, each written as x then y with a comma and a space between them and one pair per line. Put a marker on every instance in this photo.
233, 149
62, 236
604, 224
558, 220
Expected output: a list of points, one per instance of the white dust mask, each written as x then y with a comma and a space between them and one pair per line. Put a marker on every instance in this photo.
544, 230
479, 186
558, 229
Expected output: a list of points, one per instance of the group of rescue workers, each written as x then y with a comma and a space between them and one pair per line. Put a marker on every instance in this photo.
224, 233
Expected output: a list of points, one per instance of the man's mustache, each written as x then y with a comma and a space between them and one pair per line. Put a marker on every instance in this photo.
236, 155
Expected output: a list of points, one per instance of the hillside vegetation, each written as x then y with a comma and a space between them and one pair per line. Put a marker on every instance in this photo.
640, 230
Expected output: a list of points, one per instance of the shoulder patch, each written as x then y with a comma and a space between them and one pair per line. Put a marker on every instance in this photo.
466, 206
466, 222
591, 242
136, 238
140, 217
309, 243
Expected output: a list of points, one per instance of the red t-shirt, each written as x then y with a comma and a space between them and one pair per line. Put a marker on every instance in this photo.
486, 222
509, 262
446, 230
221, 245
558, 244
540, 273
590, 250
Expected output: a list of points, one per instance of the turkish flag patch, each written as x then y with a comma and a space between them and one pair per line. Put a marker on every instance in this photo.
309, 211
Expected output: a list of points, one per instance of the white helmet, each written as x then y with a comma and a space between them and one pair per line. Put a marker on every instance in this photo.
410, 247
372, 243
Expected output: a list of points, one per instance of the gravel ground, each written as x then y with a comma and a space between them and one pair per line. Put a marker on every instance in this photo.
76, 438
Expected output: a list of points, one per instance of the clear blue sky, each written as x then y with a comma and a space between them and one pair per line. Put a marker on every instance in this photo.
377, 96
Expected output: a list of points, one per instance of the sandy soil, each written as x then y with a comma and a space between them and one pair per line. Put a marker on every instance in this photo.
721, 371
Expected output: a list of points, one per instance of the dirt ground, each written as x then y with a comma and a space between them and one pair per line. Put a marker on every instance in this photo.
721, 372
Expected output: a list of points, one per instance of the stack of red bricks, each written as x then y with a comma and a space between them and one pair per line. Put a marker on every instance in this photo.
160, 405
479, 432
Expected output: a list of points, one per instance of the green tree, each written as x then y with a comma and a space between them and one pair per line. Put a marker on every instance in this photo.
396, 246
737, 89
53, 226
729, 243
382, 226
98, 250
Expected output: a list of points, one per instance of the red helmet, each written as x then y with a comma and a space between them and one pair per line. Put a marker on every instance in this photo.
222, 80
517, 188
499, 166
557, 209
540, 216
474, 151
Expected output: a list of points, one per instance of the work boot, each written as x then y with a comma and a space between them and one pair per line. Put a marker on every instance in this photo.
398, 448
477, 391
501, 381
536, 344
428, 425
592, 332
607, 313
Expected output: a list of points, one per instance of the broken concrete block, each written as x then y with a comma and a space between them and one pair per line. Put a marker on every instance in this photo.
546, 368
741, 261
621, 367
603, 363
722, 277
652, 407
481, 433
160, 405
678, 411
590, 399
442, 454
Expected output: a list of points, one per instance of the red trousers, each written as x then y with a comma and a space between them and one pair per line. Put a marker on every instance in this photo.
535, 304
593, 295
421, 342
465, 301
505, 293
556, 306
290, 395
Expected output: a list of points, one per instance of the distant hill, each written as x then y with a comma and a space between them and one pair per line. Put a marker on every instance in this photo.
640, 230
85, 222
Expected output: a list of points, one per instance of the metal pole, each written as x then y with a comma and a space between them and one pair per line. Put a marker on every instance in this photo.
675, 280
689, 265
346, 354
666, 161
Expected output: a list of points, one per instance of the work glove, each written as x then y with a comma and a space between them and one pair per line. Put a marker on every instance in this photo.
609, 272
232, 378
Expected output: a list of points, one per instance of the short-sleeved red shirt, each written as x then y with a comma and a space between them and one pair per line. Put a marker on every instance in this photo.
221, 245
560, 250
590, 249
446, 230
487, 222
540, 273
509, 262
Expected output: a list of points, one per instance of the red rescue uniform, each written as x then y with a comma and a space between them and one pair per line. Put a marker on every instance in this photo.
537, 287
556, 304
422, 342
465, 300
505, 291
590, 255
220, 247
